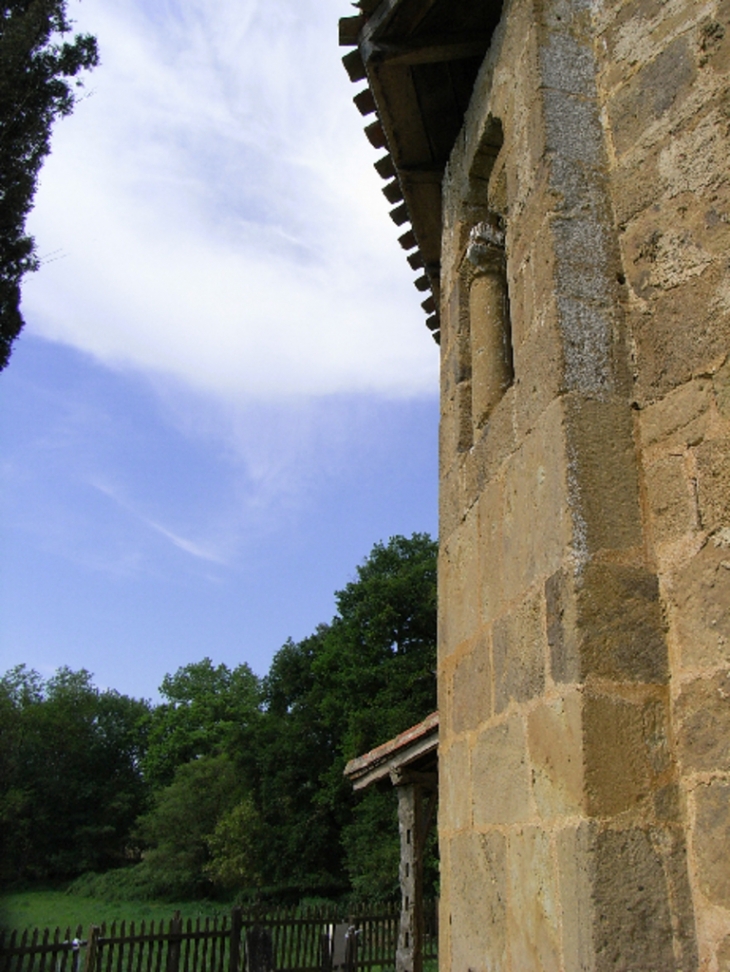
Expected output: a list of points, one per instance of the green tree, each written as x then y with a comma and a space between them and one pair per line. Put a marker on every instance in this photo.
36, 64
355, 683
208, 709
177, 830
71, 785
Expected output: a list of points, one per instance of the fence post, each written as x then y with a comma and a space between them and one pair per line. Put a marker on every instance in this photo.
91, 949
173, 948
234, 956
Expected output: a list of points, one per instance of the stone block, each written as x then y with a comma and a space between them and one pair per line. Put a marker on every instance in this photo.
632, 918
573, 127
519, 649
604, 488
473, 688
478, 912
702, 724
620, 627
626, 748
535, 493
539, 368
455, 787
555, 745
713, 483
635, 185
459, 587
657, 88
533, 919
501, 780
711, 840
490, 508
680, 419
495, 442
455, 430
681, 332
671, 499
575, 880
562, 627
721, 389
700, 606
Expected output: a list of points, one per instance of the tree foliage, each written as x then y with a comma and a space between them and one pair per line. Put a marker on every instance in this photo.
71, 785
232, 783
36, 65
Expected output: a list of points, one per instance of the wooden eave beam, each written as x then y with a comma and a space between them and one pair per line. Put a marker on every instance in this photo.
424, 50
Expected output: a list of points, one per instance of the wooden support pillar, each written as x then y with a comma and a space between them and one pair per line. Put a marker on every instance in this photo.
416, 803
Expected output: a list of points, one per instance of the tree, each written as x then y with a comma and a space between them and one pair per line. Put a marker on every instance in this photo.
207, 710
35, 65
355, 683
71, 786
181, 823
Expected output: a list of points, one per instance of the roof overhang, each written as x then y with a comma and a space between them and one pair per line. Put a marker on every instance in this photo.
420, 59
412, 755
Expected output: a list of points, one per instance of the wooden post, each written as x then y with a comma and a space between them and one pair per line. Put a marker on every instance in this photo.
417, 796
234, 955
91, 949
173, 947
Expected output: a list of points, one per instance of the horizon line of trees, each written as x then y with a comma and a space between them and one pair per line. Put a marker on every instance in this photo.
233, 785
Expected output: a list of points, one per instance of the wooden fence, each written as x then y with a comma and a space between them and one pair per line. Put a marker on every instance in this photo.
209, 944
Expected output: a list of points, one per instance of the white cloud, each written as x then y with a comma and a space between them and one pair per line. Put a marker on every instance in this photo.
215, 210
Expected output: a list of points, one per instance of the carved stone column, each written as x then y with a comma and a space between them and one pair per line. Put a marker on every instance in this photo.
491, 347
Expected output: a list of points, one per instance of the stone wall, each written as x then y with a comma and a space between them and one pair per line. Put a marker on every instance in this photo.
584, 665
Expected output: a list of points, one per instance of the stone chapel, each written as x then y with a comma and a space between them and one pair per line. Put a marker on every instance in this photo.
561, 172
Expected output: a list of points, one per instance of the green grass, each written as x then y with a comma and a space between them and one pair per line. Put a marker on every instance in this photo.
48, 909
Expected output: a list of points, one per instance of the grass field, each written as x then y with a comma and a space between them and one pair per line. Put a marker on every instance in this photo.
48, 909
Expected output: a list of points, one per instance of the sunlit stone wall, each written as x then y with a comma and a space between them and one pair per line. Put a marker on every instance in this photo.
584, 660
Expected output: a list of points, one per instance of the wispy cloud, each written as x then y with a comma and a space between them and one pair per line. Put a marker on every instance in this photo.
217, 212
207, 550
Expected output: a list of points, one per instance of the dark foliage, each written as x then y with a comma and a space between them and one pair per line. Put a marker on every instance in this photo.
35, 67
232, 784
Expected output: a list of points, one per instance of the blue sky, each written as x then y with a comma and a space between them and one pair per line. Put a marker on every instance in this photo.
225, 393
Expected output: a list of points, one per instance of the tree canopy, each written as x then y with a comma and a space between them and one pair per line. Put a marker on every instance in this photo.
232, 783
36, 65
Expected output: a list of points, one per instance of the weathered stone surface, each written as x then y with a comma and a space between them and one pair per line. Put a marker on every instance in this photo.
681, 332
671, 498
604, 478
651, 93
535, 493
625, 748
519, 652
555, 737
595, 596
533, 913
721, 389
700, 598
702, 713
455, 785
712, 838
713, 483
501, 781
459, 579
473, 688
495, 442
478, 899
680, 419
562, 628
575, 877
632, 917
620, 624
